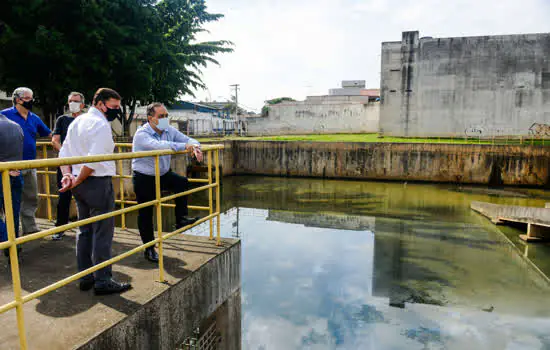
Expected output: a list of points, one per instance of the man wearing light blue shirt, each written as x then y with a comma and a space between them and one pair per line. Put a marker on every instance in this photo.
157, 134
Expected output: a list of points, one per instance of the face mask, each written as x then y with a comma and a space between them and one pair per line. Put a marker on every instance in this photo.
74, 107
163, 124
112, 113
27, 105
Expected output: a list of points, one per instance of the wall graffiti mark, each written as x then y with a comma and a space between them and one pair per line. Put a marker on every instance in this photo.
480, 131
538, 129
474, 131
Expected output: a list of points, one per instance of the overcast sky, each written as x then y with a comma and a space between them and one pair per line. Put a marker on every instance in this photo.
297, 48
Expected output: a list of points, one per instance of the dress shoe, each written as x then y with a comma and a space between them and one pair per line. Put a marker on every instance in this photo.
151, 255
110, 287
86, 284
186, 221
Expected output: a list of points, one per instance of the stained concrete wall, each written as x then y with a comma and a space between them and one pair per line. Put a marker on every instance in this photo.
318, 115
478, 86
164, 322
473, 164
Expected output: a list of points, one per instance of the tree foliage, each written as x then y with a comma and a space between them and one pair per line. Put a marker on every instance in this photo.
274, 101
145, 49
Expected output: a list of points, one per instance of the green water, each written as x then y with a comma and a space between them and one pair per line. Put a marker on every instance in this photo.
332, 264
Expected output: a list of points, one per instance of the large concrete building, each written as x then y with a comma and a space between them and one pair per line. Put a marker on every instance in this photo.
477, 86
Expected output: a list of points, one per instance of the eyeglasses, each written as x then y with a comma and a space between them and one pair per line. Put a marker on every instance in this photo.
160, 116
27, 98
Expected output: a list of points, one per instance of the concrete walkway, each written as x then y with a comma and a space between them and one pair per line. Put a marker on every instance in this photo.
68, 317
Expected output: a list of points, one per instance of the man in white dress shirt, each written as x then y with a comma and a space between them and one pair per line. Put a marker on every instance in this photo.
91, 184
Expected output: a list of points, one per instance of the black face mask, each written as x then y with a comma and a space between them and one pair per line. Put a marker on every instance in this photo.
112, 113
27, 105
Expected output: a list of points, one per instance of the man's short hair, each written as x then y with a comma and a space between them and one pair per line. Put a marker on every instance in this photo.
20, 92
74, 93
151, 108
104, 95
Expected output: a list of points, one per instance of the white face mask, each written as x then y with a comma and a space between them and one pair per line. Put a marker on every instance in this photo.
74, 107
163, 124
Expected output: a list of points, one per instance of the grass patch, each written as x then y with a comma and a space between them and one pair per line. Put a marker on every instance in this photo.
373, 138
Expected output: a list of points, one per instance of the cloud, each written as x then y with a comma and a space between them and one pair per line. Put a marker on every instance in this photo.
299, 48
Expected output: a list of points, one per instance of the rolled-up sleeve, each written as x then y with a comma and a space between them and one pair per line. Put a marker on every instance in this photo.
146, 142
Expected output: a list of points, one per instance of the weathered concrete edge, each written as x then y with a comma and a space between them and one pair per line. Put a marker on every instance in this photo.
498, 212
476, 208
164, 321
433, 163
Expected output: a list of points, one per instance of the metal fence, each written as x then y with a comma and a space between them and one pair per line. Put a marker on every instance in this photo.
212, 151
122, 201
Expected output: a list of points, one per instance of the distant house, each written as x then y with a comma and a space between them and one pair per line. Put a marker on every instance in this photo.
200, 108
192, 118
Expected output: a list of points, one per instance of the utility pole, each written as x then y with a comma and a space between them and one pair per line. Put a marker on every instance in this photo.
238, 129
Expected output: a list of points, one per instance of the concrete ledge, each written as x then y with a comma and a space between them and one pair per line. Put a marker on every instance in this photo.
163, 322
200, 277
498, 213
536, 219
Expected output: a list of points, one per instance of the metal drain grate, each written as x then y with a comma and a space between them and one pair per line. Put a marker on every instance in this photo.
209, 340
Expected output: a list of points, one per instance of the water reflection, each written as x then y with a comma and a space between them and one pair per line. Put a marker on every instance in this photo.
358, 265
368, 265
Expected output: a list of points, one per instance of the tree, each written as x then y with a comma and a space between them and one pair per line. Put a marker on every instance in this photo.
145, 49
274, 101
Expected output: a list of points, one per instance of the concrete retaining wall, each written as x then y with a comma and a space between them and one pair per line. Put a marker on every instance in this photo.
318, 115
473, 164
164, 322
478, 86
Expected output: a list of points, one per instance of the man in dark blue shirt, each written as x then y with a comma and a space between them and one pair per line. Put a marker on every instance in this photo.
31, 125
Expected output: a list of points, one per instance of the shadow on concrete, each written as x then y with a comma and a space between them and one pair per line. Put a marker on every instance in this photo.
45, 262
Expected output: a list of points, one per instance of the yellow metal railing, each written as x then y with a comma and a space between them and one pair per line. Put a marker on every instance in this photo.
159, 202
121, 147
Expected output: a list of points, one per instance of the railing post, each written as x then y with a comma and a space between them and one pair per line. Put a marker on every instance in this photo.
210, 204
121, 186
16, 277
159, 217
217, 164
47, 182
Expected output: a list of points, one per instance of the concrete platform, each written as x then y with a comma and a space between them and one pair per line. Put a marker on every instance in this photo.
200, 277
536, 219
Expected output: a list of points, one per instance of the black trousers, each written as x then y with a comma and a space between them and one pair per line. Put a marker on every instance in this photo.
95, 196
144, 187
63, 204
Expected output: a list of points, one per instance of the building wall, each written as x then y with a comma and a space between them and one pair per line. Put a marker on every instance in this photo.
318, 115
475, 86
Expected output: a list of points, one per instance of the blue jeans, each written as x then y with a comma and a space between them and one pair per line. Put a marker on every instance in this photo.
16, 189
